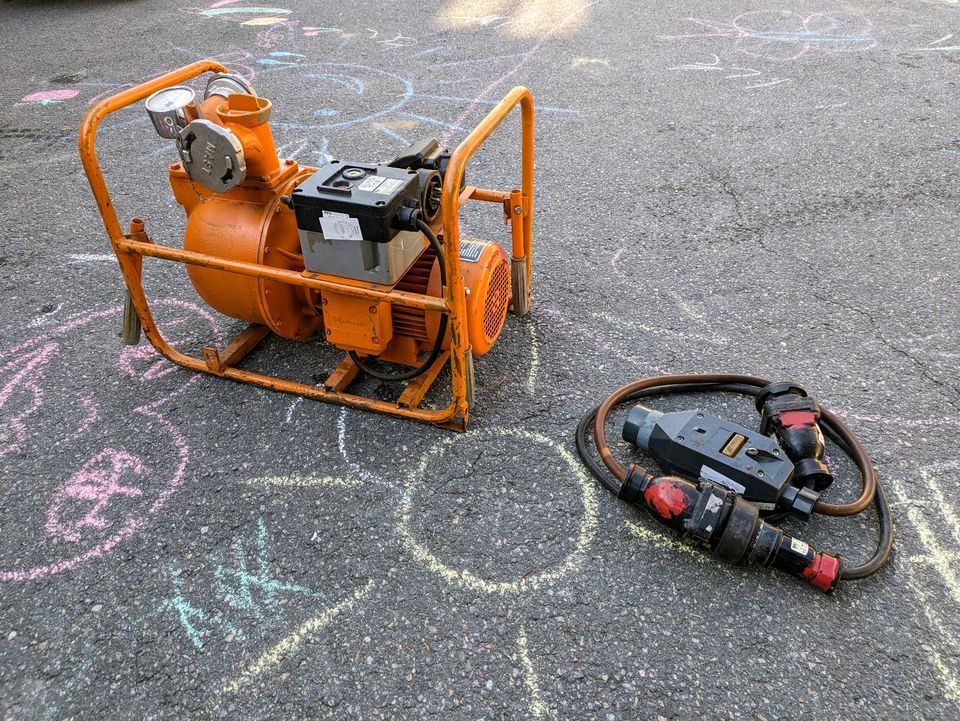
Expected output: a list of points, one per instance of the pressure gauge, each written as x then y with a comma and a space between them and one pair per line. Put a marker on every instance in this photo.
166, 109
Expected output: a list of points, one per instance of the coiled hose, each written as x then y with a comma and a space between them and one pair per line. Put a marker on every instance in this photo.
611, 474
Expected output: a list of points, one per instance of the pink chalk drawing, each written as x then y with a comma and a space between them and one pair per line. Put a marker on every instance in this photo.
781, 35
92, 489
120, 486
47, 97
26, 372
230, 11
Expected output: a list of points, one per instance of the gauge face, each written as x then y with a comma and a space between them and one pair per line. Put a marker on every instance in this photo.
170, 99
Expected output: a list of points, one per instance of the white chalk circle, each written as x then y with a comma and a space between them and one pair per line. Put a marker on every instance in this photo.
463, 578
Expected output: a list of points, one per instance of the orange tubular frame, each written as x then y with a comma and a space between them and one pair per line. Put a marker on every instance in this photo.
518, 211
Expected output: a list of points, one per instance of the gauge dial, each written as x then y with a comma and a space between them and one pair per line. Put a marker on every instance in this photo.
166, 109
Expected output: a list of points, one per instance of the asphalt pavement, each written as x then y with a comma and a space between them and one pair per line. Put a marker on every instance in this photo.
719, 187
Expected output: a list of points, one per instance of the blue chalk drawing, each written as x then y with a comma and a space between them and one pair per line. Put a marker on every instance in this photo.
237, 585
191, 617
392, 134
248, 585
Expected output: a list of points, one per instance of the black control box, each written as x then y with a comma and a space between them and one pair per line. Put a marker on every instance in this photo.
370, 195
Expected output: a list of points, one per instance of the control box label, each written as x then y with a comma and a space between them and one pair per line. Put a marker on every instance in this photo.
338, 226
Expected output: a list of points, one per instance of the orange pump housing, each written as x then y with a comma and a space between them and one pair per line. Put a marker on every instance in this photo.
249, 223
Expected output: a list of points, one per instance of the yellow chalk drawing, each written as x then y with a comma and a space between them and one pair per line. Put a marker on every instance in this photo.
572, 563
534, 358
662, 540
538, 709
579, 62
940, 560
940, 501
273, 657
948, 677
256, 22
618, 321
528, 18
298, 481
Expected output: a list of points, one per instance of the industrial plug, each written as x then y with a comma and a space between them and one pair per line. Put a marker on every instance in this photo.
695, 444
793, 418
721, 521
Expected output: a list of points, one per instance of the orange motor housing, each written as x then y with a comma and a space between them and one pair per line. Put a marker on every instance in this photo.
250, 223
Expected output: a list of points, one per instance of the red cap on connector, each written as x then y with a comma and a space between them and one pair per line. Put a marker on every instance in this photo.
824, 572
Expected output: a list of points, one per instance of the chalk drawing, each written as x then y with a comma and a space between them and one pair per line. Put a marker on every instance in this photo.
91, 257
771, 83
555, 27
942, 562
193, 619
274, 656
591, 336
47, 316
526, 18
783, 35
44, 702
664, 541
534, 371
48, 97
357, 95
247, 586
251, 15
237, 585
25, 371
538, 708
299, 481
581, 61
355, 469
464, 578
90, 491
113, 495
761, 79
711, 337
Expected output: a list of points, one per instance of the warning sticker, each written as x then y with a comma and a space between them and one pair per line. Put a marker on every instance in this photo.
337, 226
470, 250
798, 546
388, 186
370, 184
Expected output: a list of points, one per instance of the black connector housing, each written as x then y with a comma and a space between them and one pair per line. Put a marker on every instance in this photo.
374, 195
698, 445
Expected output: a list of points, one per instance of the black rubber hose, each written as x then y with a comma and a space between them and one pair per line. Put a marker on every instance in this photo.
832, 427
441, 330
885, 544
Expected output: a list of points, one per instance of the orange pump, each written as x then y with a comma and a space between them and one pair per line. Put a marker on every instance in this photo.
370, 256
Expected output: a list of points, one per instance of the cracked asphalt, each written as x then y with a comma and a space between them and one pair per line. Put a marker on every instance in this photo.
719, 187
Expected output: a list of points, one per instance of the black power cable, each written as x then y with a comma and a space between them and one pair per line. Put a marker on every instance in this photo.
611, 477
441, 330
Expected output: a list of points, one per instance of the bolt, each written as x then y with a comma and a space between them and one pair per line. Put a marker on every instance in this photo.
323, 301
699, 415
373, 309
752, 451
679, 438
517, 209
759, 472
328, 331
776, 452
376, 341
